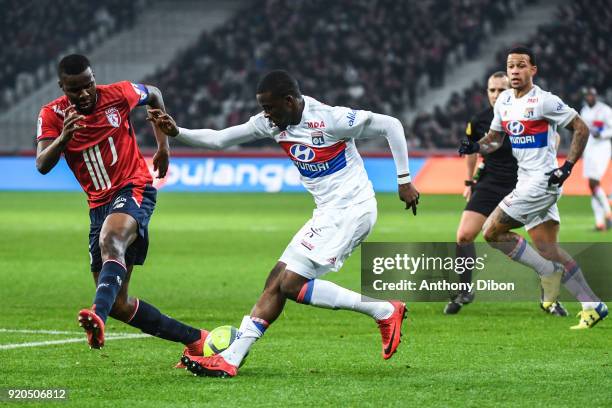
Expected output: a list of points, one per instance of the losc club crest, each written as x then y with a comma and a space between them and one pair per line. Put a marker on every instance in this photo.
317, 138
112, 114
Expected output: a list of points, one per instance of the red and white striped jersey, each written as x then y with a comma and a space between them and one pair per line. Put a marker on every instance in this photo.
104, 156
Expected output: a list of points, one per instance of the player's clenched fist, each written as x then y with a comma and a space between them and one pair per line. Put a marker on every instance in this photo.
71, 125
163, 121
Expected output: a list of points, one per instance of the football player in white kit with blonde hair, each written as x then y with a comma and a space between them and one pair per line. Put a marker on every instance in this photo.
529, 116
320, 140
598, 117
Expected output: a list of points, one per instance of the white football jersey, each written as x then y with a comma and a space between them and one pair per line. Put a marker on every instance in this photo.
531, 124
322, 147
598, 116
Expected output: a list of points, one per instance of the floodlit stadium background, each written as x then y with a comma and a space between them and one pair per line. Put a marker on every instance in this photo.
424, 62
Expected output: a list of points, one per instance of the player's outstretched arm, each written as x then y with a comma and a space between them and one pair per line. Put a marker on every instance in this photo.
391, 128
206, 138
161, 159
49, 151
492, 141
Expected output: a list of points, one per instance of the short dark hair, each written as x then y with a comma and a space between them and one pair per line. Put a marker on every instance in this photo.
279, 83
498, 74
525, 51
72, 64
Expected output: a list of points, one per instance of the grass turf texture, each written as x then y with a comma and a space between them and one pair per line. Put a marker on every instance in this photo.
208, 259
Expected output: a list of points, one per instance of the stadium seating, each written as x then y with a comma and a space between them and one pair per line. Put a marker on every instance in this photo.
382, 54
35, 33
573, 51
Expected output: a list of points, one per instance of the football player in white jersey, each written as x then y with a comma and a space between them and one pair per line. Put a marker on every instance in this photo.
319, 139
598, 117
529, 116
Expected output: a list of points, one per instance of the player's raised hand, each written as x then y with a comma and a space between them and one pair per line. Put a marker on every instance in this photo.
410, 196
71, 125
163, 121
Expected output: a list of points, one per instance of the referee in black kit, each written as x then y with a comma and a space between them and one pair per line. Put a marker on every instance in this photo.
485, 186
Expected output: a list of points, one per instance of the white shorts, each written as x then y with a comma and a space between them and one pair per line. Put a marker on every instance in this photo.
532, 205
596, 158
328, 238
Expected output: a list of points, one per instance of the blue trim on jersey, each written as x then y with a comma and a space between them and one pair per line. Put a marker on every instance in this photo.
529, 141
320, 169
144, 99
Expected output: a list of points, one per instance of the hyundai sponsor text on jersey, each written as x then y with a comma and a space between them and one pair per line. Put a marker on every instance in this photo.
530, 122
322, 147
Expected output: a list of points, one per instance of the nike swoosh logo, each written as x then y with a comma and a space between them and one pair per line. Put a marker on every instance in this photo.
388, 349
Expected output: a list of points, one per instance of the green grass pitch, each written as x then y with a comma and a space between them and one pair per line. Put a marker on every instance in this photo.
208, 259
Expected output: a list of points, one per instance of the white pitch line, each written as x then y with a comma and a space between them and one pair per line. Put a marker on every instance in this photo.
31, 331
64, 341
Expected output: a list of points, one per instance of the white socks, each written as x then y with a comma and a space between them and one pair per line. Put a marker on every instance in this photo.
318, 293
524, 254
328, 295
251, 329
574, 282
600, 205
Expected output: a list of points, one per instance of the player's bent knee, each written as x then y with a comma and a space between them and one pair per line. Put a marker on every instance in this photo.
466, 237
112, 245
290, 286
489, 233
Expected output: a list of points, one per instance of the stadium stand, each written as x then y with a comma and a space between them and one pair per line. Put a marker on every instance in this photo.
581, 31
34, 34
382, 54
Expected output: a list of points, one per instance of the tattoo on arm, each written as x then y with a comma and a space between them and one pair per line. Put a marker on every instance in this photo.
579, 138
491, 142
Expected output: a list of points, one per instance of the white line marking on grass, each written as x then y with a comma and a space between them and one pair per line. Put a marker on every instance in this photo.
31, 331
64, 341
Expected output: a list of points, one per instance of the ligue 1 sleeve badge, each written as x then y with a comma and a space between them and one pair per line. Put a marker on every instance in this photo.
113, 117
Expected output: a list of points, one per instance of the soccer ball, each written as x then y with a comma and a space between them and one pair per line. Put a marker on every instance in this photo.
219, 339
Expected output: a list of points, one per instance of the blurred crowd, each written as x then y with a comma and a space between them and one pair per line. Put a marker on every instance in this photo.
370, 54
380, 55
572, 52
34, 33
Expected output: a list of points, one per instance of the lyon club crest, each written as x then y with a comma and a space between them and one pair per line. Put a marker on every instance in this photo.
112, 114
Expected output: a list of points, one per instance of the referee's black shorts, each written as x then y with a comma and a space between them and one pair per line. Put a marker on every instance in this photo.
486, 194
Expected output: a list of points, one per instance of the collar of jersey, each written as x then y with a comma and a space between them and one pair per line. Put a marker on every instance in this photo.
306, 106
